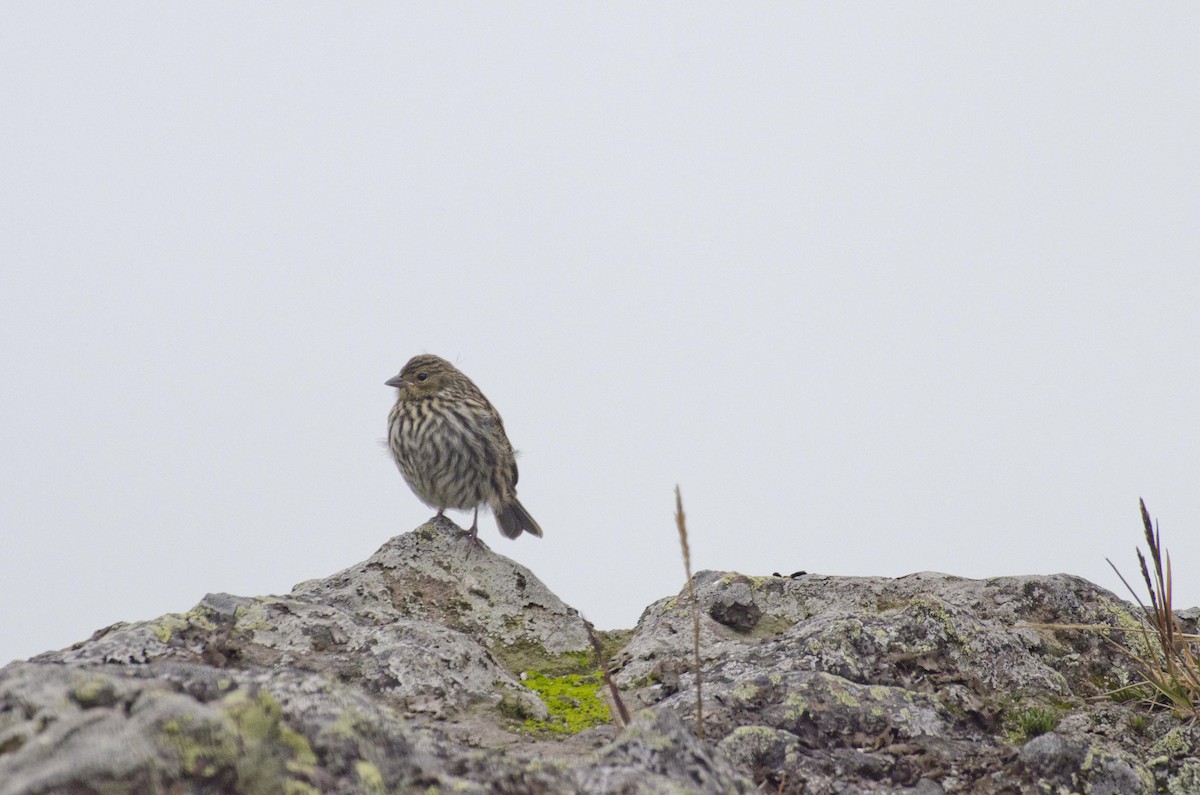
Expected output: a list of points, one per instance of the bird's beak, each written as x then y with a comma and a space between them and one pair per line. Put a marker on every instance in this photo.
395, 381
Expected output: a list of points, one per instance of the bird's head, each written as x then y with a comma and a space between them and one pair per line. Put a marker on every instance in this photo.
424, 375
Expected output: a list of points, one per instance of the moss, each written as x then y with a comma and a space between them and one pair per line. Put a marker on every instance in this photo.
573, 702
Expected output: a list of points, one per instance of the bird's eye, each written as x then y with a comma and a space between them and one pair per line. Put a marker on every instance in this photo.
421, 376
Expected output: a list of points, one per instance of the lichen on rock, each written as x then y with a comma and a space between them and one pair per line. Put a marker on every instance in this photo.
439, 666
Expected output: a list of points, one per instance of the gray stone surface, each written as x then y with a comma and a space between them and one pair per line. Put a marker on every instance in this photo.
847, 684
409, 673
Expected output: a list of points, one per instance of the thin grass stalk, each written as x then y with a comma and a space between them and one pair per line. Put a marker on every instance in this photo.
1101, 628
1174, 672
622, 712
681, 523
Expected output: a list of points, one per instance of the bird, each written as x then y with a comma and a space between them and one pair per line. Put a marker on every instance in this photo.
448, 442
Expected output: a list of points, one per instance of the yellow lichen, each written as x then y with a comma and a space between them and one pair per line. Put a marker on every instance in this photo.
247, 737
369, 776
168, 625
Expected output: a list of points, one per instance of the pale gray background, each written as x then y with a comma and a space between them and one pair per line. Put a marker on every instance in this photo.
885, 288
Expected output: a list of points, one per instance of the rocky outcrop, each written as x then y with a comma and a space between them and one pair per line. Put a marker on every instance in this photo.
926, 683
439, 666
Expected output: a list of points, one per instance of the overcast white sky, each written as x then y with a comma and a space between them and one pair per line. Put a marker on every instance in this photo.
884, 287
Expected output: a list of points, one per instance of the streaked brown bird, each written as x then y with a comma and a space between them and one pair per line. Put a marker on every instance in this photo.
450, 445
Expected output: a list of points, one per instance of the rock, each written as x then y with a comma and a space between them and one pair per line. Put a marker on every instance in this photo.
734, 606
655, 754
438, 666
912, 684
436, 575
1078, 767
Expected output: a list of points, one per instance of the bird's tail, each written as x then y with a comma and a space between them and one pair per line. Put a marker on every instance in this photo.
512, 518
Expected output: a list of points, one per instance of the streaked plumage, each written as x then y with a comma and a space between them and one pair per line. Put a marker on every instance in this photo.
449, 444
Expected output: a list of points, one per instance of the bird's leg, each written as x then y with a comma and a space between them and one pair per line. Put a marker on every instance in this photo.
473, 534
475, 525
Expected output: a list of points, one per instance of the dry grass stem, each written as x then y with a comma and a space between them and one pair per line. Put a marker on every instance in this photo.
1167, 658
1170, 662
681, 523
1101, 628
622, 712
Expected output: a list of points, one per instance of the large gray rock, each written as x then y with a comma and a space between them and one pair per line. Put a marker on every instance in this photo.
822, 684
439, 666
403, 673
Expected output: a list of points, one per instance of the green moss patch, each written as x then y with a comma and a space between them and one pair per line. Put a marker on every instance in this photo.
573, 701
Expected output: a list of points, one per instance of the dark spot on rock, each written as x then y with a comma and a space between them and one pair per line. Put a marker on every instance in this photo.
734, 607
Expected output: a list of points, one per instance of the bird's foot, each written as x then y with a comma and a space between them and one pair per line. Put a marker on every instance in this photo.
473, 532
